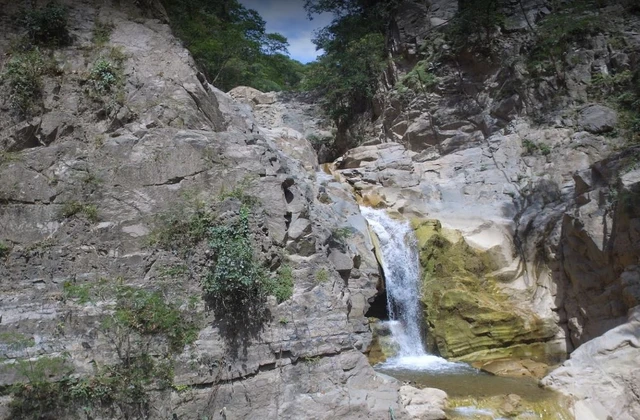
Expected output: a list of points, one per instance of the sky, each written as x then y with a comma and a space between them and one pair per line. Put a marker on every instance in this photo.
289, 18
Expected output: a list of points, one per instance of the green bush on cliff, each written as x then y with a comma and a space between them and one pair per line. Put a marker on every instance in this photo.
4, 249
47, 25
131, 326
23, 74
237, 279
474, 24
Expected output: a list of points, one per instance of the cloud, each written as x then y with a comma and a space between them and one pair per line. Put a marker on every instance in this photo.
289, 18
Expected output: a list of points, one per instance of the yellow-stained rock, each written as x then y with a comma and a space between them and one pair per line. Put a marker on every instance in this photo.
468, 316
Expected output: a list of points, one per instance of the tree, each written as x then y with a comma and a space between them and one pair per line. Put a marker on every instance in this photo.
354, 57
231, 44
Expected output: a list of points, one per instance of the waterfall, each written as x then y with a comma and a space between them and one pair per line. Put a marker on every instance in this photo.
402, 274
400, 263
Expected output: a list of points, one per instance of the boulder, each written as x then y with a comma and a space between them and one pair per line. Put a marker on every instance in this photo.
602, 374
424, 404
597, 119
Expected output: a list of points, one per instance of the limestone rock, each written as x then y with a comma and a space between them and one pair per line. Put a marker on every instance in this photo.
602, 374
424, 404
253, 96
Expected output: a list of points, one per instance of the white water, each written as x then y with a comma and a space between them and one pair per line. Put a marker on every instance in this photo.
401, 267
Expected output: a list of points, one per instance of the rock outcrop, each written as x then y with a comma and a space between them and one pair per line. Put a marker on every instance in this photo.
87, 191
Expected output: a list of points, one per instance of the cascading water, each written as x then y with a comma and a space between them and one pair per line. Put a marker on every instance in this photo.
400, 263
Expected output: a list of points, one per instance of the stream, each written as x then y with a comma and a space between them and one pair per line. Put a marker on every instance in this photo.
472, 394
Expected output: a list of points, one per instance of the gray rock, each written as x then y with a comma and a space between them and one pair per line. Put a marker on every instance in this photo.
597, 119
341, 262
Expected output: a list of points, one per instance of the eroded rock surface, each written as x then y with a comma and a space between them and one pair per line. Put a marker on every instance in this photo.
85, 190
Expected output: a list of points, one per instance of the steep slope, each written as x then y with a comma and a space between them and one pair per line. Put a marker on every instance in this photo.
109, 196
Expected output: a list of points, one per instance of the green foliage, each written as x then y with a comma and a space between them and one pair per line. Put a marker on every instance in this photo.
148, 313
131, 325
79, 292
47, 25
4, 249
101, 32
74, 208
340, 234
104, 76
231, 44
174, 271
106, 79
12, 341
531, 147
322, 275
239, 192
348, 77
23, 74
570, 24
474, 25
347, 73
281, 286
181, 230
419, 79
621, 91
237, 279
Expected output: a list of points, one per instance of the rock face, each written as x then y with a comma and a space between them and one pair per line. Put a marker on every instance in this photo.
521, 180
424, 404
85, 192
602, 374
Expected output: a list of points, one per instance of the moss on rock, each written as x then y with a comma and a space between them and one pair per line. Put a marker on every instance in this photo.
468, 316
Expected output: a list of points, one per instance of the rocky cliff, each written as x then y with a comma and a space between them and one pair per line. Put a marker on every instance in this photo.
520, 173
517, 167
111, 182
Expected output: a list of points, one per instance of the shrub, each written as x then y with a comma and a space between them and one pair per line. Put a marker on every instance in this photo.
148, 313
73, 208
106, 80
322, 275
474, 24
281, 285
557, 33
4, 249
47, 25
418, 79
237, 279
104, 76
101, 32
23, 75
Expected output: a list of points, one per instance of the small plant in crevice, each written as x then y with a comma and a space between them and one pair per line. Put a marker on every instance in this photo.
104, 76
75, 208
341, 234
322, 275
106, 80
4, 249
419, 79
239, 192
101, 32
281, 286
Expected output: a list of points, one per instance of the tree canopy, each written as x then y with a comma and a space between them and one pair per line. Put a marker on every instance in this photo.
231, 44
354, 55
